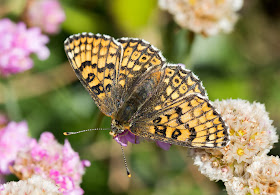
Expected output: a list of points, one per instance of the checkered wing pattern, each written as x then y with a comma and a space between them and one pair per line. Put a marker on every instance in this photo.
179, 113
139, 58
96, 60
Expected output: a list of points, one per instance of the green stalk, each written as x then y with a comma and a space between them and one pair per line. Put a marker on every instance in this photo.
11, 104
191, 39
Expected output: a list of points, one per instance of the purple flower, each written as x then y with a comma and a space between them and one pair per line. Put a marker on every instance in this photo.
13, 137
165, 146
46, 14
2, 180
16, 44
182, 66
126, 136
66, 168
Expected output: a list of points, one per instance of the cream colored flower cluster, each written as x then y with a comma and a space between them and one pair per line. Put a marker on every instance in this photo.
262, 177
36, 185
208, 17
243, 165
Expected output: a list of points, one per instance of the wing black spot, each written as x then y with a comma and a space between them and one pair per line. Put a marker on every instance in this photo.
193, 133
100, 69
90, 77
176, 133
98, 89
84, 64
157, 120
178, 111
160, 130
110, 66
108, 87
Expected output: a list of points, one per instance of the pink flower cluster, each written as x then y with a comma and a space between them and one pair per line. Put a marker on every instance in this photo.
13, 137
126, 136
16, 44
46, 14
52, 160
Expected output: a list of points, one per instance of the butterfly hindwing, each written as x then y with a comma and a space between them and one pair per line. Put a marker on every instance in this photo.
191, 121
96, 61
176, 83
179, 113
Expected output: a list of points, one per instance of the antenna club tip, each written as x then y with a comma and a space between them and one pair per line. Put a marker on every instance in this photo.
65, 133
128, 173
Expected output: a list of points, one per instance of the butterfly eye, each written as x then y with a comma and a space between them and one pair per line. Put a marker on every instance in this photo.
117, 122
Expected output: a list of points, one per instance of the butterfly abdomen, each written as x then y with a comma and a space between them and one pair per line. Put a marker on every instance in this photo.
141, 93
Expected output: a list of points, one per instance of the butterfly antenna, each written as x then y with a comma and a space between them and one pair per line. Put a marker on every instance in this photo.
72, 133
127, 170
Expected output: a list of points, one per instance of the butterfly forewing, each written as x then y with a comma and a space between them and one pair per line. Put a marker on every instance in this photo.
138, 57
96, 61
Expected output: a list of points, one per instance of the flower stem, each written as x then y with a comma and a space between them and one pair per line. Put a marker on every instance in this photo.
99, 119
10, 99
191, 39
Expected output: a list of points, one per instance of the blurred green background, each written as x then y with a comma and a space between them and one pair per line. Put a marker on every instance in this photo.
244, 64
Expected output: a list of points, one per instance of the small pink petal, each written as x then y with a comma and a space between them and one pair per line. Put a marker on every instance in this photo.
182, 66
54, 160
17, 44
121, 140
86, 163
46, 14
165, 146
132, 138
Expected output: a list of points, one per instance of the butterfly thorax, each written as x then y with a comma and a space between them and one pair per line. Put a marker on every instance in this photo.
121, 121
116, 128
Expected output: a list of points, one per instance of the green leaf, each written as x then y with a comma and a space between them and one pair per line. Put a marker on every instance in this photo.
132, 15
79, 20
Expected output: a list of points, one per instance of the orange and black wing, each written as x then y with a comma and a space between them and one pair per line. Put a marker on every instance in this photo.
140, 59
180, 113
96, 61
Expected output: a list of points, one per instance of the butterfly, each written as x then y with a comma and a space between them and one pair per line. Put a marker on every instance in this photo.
131, 82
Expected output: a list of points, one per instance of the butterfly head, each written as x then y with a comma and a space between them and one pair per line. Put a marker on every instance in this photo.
116, 128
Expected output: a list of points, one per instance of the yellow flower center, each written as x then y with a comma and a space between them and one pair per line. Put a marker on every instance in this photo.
231, 131
241, 132
219, 1
192, 2
240, 151
254, 135
257, 190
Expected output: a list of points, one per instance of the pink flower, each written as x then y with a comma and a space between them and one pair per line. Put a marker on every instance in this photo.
183, 66
46, 14
2, 180
13, 137
126, 136
165, 146
52, 160
16, 44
